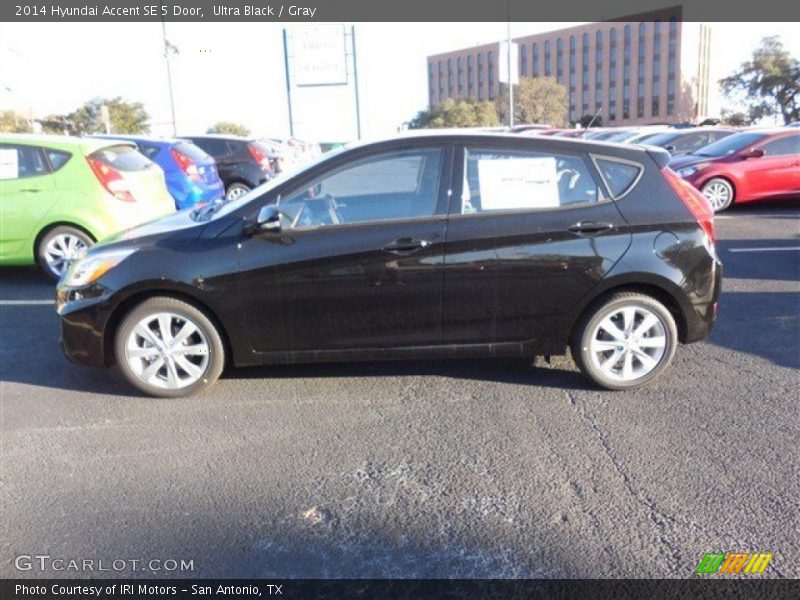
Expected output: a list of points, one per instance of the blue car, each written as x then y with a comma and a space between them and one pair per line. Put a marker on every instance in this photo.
190, 173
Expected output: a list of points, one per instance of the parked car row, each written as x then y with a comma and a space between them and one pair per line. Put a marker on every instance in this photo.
727, 165
61, 194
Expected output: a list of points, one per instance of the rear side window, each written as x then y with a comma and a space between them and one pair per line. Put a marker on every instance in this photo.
619, 176
57, 158
518, 180
213, 146
783, 146
190, 150
149, 150
123, 158
18, 162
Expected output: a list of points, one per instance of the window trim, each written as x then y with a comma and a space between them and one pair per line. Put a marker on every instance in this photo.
459, 166
596, 157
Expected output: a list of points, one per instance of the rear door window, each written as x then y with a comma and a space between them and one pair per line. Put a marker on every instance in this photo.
57, 158
789, 144
620, 176
517, 180
123, 158
19, 162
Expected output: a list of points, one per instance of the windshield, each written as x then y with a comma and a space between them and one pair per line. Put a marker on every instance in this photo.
660, 139
731, 144
221, 208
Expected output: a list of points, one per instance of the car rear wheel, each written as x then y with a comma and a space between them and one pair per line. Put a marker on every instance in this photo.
168, 348
719, 193
235, 190
59, 247
626, 341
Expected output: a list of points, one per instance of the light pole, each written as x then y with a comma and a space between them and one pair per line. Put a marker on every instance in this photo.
510, 76
169, 49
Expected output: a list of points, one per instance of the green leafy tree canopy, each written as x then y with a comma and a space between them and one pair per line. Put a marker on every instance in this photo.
456, 113
536, 100
229, 128
13, 122
768, 84
124, 117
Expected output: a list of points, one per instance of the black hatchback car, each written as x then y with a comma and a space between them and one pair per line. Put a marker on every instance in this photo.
243, 163
436, 246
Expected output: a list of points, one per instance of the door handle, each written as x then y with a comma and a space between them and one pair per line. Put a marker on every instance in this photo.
589, 227
32, 190
406, 246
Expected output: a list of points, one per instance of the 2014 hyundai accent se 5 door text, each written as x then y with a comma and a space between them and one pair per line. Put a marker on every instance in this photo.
435, 246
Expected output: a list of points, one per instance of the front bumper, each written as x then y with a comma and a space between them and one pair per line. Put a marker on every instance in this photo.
83, 324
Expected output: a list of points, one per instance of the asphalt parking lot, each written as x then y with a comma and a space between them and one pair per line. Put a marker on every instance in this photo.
467, 468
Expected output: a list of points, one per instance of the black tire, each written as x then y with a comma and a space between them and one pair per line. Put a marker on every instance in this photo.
62, 230
216, 347
720, 183
586, 326
235, 190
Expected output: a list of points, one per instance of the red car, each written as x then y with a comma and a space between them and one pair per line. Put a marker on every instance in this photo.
744, 167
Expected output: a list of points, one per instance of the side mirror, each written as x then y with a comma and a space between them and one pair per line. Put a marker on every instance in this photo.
757, 153
268, 219
669, 148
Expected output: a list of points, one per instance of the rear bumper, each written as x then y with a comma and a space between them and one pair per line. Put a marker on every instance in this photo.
701, 318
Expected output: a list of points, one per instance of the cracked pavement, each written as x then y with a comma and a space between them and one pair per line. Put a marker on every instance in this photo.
466, 468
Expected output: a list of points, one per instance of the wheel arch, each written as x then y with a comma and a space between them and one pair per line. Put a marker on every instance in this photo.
50, 226
659, 288
137, 297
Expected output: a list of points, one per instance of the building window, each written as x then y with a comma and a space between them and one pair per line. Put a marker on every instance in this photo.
598, 71
547, 69
585, 72
571, 75
672, 57
612, 74
640, 86
523, 59
560, 61
626, 74
431, 85
450, 78
470, 75
535, 58
490, 75
655, 107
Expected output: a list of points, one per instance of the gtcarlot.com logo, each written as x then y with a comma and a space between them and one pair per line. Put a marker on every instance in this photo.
732, 563
46, 562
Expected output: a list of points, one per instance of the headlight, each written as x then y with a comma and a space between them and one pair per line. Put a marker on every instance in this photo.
689, 171
90, 268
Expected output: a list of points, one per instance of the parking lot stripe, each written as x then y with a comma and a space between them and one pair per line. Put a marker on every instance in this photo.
769, 249
25, 302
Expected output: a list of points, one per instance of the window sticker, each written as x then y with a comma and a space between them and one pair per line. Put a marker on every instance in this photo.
9, 163
518, 183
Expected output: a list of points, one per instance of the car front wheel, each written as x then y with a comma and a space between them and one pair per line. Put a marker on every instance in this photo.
168, 348
719, 193
626, 341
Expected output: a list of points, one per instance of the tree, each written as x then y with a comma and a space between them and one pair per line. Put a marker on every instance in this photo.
13, 122
734, 118
124, 117
456, 113
228, 128
536, 100
768, 84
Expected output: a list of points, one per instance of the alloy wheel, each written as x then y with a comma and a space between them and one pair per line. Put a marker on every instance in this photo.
236, 192
61, 250
718, 194
628, 343
167, 350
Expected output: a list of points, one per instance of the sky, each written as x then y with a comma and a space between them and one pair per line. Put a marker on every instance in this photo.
235, 71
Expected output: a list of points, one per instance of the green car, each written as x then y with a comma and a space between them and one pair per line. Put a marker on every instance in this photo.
60, 194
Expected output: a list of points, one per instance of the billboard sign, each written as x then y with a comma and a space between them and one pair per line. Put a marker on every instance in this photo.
318, 55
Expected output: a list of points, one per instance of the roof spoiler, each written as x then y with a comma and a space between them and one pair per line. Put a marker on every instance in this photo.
659, 155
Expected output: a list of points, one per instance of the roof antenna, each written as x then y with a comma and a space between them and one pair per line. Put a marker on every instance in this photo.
594, 118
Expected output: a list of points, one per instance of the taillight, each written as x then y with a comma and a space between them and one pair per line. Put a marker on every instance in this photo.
186, 164
111, 179
259, 156
697, 204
